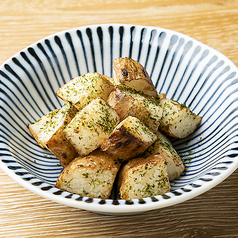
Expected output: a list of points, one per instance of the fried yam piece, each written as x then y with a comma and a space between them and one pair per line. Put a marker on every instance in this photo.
163, 146
81, 90
129, 139
130, 73
36, 127
127, 102
51, 136
91, 126
91, 176
177, 119
144, 177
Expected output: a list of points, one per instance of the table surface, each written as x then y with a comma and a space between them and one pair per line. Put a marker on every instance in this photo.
212, 214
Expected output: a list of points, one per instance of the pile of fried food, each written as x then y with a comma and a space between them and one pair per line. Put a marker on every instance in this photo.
112, 128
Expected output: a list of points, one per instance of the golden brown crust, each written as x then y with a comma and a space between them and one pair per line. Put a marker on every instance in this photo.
127, 69
58, 144
61, 148
96, 159
122, 145
91, 176
121, 103
131, 73
127, 102
127, 141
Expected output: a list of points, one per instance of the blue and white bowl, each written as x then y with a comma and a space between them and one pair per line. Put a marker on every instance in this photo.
181, 67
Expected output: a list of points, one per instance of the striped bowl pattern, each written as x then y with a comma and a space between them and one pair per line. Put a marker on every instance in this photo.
181, 67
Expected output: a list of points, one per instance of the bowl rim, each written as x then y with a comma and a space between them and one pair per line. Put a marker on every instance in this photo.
122, 208
115, 24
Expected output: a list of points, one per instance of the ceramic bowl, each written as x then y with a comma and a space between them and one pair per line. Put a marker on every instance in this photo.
181, 67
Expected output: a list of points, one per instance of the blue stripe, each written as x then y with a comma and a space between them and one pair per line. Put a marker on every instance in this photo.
79, 33
69, 39
55, 58
59, 43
